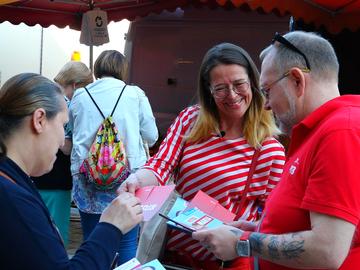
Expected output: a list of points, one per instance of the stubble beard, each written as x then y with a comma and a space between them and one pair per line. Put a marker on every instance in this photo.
287, 120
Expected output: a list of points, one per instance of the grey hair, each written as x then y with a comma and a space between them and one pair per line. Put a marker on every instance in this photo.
319, 52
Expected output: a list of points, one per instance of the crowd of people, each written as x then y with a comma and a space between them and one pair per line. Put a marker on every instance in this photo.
298, 212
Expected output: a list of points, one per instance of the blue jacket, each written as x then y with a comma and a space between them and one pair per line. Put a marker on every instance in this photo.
28, 238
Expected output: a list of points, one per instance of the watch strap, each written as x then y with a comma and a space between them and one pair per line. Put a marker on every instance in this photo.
243, 248
245, 236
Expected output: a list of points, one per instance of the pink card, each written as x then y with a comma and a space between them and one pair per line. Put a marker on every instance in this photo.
152, 198
211, 206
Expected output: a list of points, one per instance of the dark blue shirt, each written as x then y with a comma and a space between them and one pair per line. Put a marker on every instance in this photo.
28, 238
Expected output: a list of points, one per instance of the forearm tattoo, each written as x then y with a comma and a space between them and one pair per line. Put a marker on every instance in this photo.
278, 247
293, 249
273, 247
256, 242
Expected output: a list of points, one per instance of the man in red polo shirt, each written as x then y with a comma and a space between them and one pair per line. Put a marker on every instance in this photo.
311, 219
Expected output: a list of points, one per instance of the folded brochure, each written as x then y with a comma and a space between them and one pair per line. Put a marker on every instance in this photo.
211, 206
134, 264
201, 212
152, 198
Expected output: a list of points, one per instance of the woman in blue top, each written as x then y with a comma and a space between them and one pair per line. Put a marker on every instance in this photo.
32, 115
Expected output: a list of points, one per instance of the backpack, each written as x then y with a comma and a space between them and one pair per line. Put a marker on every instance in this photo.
106, 165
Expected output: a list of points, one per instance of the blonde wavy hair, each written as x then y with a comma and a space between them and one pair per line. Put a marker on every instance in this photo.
74, 72
258, 123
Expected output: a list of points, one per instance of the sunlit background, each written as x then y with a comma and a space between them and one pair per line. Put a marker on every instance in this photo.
46, 50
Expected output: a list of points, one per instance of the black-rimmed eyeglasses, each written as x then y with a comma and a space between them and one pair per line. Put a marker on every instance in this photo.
279, 38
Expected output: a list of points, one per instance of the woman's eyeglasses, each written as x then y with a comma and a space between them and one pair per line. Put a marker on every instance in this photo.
279, 38
223, 90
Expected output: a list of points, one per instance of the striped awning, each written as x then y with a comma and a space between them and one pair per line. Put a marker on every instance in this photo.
334, 15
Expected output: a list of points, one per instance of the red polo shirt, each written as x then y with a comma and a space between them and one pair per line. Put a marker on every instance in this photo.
322, 174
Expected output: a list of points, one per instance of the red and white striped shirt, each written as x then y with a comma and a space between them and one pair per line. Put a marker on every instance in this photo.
218, 167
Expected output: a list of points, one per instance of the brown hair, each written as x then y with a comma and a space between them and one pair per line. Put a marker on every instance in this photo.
111, 63
20, 96
258, 122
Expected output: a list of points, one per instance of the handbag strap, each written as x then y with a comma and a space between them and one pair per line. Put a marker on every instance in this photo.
7, 177
93, 100
248, 181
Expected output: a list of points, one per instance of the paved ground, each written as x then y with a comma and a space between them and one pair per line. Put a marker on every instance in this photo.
75, 236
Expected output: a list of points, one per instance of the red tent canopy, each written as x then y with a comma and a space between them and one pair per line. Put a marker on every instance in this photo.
69, 12
335, 15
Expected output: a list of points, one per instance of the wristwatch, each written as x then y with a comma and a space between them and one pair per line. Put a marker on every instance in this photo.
243, 248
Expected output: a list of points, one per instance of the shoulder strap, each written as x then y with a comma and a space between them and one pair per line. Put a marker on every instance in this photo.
87, 91
248, 180
118, 100
7, 177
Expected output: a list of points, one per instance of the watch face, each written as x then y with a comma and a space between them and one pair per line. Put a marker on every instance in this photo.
243, 248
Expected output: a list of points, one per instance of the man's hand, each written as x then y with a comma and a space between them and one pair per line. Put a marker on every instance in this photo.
220, 241
244, 225
124, 212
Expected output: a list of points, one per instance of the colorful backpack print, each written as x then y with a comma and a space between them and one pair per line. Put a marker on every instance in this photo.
106, 165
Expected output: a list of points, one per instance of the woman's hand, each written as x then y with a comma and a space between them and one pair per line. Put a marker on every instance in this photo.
141, 178
131, 184
124, 212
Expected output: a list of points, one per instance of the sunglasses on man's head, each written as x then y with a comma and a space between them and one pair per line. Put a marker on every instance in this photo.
279, 38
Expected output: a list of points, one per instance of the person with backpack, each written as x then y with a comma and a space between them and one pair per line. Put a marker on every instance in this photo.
32, 117
109, 120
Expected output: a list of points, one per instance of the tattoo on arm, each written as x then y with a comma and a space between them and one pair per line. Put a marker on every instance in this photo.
256, 242
293, 248
278, 247
273, 248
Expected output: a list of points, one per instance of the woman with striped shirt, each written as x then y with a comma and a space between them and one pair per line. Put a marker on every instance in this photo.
209, 147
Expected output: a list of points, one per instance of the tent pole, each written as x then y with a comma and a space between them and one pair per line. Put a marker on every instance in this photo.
91, 7
41, 49
91, 57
